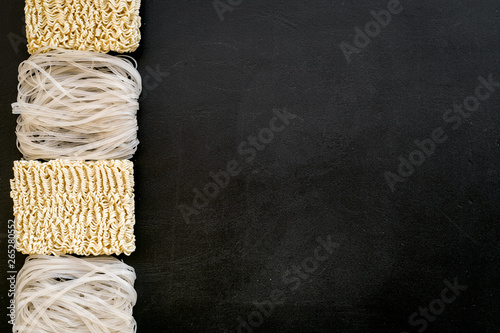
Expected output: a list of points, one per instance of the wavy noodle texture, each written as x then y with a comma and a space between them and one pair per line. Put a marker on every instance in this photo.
74, 295
85, 208
77, 105
87, 25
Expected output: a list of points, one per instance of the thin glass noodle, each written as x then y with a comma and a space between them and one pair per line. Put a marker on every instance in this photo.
77, 105
69, 294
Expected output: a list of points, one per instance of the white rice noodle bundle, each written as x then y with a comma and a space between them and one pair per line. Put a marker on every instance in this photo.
77, 105
70, 294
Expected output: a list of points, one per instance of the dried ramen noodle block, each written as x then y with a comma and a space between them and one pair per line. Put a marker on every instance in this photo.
74, 207
91, 25
73, 295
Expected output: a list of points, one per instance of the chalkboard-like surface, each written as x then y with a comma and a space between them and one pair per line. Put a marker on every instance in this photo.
307, 166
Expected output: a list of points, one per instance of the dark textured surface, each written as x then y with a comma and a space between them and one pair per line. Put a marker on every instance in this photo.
209, 84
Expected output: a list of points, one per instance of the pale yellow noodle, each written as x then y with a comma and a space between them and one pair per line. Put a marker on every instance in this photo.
75, 207
92, 25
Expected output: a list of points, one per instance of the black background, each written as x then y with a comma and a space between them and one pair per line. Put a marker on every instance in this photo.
322, 175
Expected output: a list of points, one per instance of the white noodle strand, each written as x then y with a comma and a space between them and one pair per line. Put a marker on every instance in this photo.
69, 294
77, 105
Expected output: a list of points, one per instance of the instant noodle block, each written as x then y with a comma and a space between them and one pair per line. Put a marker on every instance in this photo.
74, 207
91, 25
